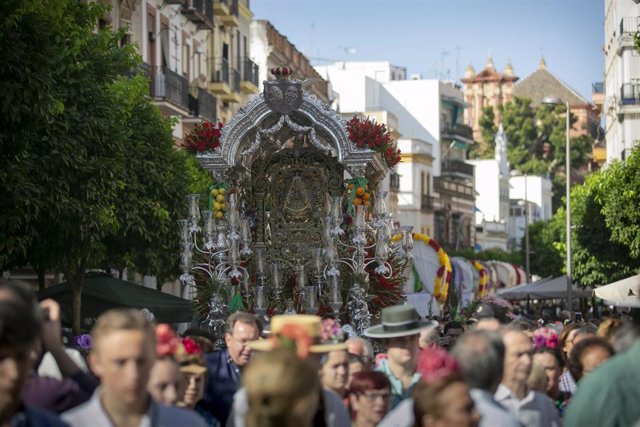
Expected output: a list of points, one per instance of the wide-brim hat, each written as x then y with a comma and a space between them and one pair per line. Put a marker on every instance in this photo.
398, 321
193, 368
310, 323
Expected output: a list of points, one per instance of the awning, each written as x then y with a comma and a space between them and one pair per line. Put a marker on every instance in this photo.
623, 293
548, 288
102, 292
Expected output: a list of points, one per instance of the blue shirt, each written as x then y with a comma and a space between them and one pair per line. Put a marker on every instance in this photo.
398, 394
223, 382
32, 417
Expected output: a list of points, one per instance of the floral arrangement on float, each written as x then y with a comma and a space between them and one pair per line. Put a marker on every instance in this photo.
366, 133
203, 137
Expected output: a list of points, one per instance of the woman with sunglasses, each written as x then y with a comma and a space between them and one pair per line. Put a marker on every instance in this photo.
369, 398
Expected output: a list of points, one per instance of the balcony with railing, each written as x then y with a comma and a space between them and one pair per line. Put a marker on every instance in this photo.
453, 188
170, 90
220, 77
204, 106
460, 132
630, 94
249, 83
426, 203
227, 11
200, 12
457, 168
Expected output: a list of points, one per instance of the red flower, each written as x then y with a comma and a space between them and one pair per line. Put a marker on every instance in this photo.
190, 346
166, 340
204, 136
368, 133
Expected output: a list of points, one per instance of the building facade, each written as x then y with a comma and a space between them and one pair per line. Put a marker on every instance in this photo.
436, 193
492, 197
534, 192
271, 49
488, 88
196, 54
622, 78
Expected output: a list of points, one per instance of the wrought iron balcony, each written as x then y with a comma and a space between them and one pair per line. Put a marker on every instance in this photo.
447, 130
630, 94
227, 10
204, 106
170, 87
629, 25
458, 168
426, 203
249, 83
453, 187
200, 12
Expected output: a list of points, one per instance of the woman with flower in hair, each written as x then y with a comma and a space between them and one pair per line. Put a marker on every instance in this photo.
334, 371
547, 355
165, 381
191, 363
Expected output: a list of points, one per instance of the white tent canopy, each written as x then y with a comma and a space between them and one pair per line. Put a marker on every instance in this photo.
624, 293
548, 288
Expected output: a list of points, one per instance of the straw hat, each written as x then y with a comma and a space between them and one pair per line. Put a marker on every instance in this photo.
311, 325
398, 321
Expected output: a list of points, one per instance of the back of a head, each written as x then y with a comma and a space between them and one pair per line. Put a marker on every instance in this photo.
121, 320
428, 398
20, 317
481, 358
581, 348
282, 389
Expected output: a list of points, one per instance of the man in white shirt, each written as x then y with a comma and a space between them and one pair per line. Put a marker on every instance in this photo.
122, 356
532, 409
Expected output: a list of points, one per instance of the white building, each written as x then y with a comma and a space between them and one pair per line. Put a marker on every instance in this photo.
534, 191
622, 78
430, 115
492, 197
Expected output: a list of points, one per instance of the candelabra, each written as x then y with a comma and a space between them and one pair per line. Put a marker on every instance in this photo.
221, 251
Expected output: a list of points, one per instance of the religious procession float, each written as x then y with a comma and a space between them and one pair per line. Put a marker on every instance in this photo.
296, 221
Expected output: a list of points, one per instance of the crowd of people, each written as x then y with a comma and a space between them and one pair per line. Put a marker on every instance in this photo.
489, 369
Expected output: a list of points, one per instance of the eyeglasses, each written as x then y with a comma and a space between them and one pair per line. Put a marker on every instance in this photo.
243, 343
372, 396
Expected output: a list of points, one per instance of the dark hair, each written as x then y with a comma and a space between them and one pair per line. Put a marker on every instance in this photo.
564, 335
368, 380
453, 325
427, 397
20, 315
587, 329
523, 324
578, 351
242, 317
481, 358
555, 352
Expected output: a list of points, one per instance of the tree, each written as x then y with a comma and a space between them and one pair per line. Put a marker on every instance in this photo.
536, 142
485, 149
545, 259
620, 195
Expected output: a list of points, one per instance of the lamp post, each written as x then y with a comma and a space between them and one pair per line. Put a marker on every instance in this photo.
558, 101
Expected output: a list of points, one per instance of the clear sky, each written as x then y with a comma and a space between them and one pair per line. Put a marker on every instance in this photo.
438, 38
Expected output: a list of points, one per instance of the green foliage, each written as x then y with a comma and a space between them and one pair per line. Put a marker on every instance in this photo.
536, 142
485, 149
545, 259
620, 196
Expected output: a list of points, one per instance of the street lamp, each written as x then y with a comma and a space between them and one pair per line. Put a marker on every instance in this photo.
558, 101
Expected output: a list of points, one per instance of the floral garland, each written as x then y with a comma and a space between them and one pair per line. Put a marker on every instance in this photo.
545, 338
331, 332
441, 286
294, 337
204, 136
483, 285
367, 133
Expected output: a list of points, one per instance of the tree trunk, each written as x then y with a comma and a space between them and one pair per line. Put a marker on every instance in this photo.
76, 290
41, 284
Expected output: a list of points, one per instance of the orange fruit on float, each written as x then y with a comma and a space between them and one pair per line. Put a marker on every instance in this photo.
357, 201
359, 191
350, 186
219, 215
367, 203
366, 196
